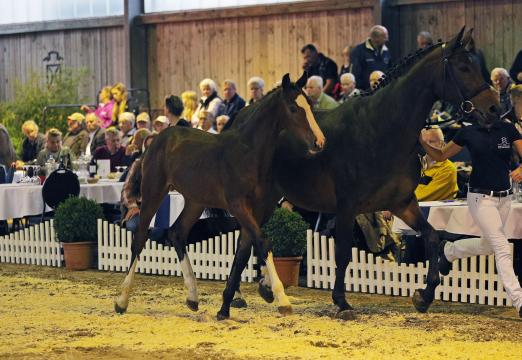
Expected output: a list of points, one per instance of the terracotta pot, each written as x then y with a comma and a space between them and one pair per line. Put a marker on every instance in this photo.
78, 255
288, 269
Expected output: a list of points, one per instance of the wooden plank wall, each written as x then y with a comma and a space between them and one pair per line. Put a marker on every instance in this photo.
99, 50
183, 53
497, 24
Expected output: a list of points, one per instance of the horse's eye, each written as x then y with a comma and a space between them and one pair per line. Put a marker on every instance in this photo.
293, 108
464, 68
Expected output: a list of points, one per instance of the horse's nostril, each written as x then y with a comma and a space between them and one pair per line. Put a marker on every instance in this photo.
494, 110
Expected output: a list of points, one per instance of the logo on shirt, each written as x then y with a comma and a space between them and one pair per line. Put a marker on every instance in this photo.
504, 144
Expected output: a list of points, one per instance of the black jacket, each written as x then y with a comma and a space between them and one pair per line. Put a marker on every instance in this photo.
233, 106
365, 60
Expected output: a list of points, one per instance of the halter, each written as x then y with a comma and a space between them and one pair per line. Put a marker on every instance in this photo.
466, 105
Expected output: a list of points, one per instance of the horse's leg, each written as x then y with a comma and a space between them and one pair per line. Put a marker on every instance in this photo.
178, 234
412, 216
152, 200
343, 256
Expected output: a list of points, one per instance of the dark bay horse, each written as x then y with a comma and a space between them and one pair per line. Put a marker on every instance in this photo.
230, 171
371, 162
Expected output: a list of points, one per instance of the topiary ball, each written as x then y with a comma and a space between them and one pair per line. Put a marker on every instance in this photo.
287, 230
76, 218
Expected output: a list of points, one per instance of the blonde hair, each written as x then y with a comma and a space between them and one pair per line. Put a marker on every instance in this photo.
140, 135
128, 117
53, 132
29, 125
143, 116
190, 104
208, 82
106, 92
91, 115
119, 107
112, 131
516, 90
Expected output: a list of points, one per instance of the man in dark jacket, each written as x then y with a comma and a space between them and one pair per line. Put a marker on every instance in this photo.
96, 133
370, 56
33, 142
232, 101
315, 63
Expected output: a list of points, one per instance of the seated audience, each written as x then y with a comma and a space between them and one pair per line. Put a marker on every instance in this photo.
374, 78
231, 99
190, 104
348, 89
119, 95
256, 87
424, 40
96, 133
126, 125
113, 150
160, 124
316, 64
173, 111
105, 108
143, 121
221, 121
370, 55
206, 122
502, 82
320, 101
135, 147
210, 101
54, 149
346, 67
32, 144
516, 69
438, 178
76, 138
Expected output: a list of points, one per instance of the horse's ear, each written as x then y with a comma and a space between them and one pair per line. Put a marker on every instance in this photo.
302, 80
286, 82
457, 41
467, 37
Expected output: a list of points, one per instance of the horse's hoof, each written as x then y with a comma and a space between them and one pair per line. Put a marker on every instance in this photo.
345, 315
192, 305
221, 315
238, 303
266, 293
285, 310
119, 309
421, 305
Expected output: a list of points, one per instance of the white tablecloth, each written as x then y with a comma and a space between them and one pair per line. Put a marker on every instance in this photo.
455, 218
19, 200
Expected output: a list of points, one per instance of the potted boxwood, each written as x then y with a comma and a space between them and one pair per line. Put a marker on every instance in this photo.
287, 230
75, 222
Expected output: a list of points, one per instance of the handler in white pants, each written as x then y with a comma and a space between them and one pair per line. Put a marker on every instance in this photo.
489, 196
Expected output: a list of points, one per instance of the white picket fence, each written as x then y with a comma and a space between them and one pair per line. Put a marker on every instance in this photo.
35, 245
472, 280
210, 259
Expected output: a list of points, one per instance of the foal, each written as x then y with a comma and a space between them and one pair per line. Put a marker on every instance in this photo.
231, 171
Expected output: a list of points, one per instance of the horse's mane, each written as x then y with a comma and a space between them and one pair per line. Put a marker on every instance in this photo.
401, 68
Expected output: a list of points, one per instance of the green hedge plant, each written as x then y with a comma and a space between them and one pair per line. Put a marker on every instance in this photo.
75, 220
287, 230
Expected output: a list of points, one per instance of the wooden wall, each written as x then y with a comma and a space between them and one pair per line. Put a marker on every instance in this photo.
497, 24
183, 53
99, 50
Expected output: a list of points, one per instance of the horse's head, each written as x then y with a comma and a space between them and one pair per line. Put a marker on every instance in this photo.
296, 114
462, 83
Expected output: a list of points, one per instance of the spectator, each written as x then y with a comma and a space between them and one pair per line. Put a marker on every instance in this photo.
516, 68
320, 101
32, 144
76, 138
347, 65
348, 88
233, 102
160, 124
173, 111
315, 63
53, 148
210, 101
105, 107
96, 133
113, 150
143, 121
439, 178
190, 104
371, 55
119, 95
424, 40
256, 86
502, 82
206, 122
374, 78
7, 152
126, 124
134, 149
221, 121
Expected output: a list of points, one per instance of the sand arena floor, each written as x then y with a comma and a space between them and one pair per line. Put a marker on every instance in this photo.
48, 313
